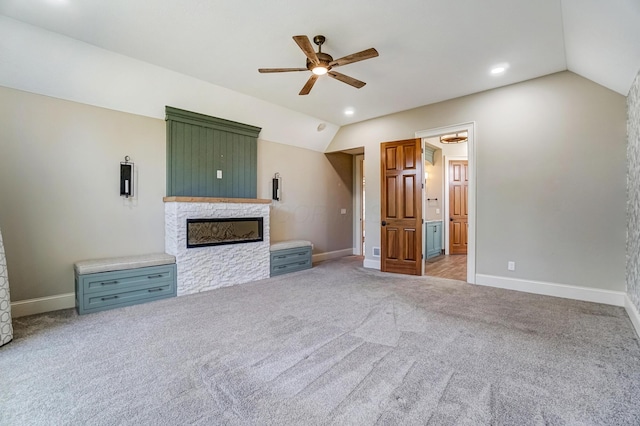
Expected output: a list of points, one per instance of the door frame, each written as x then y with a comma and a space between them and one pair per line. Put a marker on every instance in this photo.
358, 205
471, 158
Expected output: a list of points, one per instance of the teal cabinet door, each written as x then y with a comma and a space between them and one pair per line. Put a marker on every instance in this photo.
433, 239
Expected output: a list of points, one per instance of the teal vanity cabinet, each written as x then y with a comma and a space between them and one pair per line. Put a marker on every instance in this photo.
433, 238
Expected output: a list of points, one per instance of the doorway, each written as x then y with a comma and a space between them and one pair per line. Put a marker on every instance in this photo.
437, 203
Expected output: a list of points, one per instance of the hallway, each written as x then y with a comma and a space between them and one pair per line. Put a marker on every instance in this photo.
447, 266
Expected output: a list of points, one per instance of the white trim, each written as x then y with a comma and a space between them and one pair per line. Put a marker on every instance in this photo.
371, 264
633, 313
357, 204
471, 157
607, 297
23, 308
332, 255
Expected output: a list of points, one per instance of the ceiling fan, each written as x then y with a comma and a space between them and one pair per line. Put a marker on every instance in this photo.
322, 63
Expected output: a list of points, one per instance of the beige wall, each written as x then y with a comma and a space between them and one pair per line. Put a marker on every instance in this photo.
59, 186
59, 196
314, 188
550, 176
434, 186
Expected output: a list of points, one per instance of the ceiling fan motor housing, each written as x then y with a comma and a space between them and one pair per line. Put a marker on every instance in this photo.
324, 61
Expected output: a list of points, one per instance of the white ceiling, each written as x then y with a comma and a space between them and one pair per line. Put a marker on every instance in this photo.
430, 50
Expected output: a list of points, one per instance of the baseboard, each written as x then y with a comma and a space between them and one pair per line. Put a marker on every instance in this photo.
607, 297
372, 264
23, 308
633, 313
331, 255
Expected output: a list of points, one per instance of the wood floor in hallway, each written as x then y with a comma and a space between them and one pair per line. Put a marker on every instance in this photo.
447, 266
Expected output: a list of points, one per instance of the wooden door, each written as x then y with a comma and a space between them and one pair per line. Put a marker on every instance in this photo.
458, 209
401, 205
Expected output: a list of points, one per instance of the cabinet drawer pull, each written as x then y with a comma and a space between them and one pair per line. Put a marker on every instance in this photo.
109, 298
281, 267
280, 257
109, 283
155, 276
302, 263
302, 254
151, 290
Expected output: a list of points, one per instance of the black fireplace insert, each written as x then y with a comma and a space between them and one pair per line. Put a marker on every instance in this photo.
215, 232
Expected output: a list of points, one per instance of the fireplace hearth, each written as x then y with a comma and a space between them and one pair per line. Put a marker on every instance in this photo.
221, 231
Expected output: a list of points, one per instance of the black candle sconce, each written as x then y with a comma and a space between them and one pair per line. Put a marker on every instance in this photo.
126, 177
275, 186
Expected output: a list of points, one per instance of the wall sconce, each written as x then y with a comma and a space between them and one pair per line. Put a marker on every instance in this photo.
126, 178
275, 186
426, 175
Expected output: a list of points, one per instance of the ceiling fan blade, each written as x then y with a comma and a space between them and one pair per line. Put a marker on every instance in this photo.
355, 57
267, 70
308, 85
346, 79
306, 46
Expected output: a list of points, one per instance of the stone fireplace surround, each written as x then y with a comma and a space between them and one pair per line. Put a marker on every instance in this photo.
207, 268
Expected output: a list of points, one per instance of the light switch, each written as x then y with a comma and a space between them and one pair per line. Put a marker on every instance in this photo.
437, 211
343, 211
219, 174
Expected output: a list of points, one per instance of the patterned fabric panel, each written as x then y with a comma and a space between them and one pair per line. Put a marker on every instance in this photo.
6, 329
633, 193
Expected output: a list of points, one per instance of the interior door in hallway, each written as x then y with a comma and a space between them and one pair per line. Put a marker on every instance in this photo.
401, 206
458, 206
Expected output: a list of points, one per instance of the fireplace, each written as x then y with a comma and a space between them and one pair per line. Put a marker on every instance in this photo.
209, 267
221, 231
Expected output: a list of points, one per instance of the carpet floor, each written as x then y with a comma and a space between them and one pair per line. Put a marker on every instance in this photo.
337, 344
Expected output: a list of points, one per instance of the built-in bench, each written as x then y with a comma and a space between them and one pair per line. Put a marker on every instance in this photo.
290, 256
122, 281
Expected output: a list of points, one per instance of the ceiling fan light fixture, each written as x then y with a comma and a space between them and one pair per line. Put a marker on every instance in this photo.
455, 137
319, 70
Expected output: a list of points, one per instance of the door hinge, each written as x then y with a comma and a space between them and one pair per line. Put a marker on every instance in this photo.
423, 221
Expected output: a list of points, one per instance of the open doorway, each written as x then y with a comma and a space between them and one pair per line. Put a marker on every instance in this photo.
449, 202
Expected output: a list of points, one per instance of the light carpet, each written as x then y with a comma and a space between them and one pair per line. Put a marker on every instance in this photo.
337, 344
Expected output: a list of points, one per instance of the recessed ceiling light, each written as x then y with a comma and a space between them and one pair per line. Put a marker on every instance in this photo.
322, 126
499, 69
349, 111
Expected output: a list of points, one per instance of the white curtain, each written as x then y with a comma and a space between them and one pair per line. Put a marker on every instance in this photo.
6, 330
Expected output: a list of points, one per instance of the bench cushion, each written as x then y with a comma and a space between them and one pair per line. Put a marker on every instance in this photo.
283, 245
122, 263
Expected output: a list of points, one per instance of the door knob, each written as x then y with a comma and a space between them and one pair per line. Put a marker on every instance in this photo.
450, 219
384, 223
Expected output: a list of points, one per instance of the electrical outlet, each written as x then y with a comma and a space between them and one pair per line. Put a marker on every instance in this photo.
343, 211
437, 211
219, 174
511, 265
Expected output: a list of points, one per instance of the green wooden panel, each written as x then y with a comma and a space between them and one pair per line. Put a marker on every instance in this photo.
198, 146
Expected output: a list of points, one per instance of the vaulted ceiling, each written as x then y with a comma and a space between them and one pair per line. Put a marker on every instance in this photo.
430, 50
